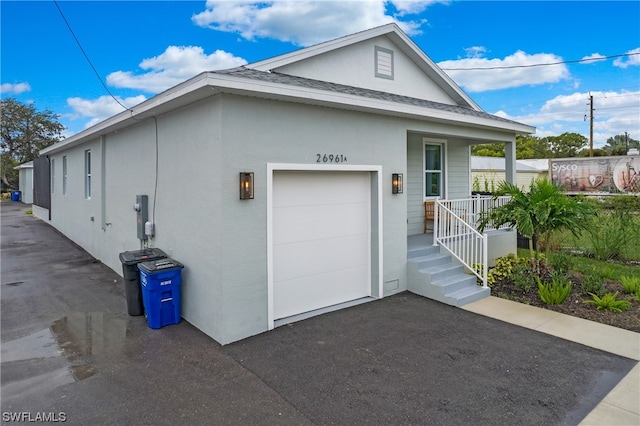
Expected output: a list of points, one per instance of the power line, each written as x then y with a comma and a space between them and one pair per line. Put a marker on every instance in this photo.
87, 56
599, 58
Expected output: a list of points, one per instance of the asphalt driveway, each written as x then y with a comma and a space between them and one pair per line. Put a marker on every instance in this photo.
69, 347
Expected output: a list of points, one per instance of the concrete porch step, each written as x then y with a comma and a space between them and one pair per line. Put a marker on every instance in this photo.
422, 251
468, 295
432, 274
431, 260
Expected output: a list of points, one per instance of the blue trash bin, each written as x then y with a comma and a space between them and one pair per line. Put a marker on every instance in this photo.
161, 281
15, 195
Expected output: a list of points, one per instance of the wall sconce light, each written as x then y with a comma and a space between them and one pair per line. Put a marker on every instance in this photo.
246, 185
396, 183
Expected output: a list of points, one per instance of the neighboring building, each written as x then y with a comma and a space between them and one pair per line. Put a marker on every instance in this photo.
25, 181
488, 172
323, 133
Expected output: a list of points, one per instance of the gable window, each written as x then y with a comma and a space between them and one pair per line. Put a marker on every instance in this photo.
53, 176
432, 170
384, 62
87, 174
64, 175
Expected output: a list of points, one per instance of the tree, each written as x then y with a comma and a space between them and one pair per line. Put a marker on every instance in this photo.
538, 213
619, 144
526, 147
531, 147
566, 145
24, 132
488, 150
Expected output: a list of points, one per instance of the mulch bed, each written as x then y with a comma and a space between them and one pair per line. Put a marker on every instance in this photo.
628, 319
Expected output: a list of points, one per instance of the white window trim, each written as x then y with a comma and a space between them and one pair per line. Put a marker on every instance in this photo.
443, 161
64, 175
87, 174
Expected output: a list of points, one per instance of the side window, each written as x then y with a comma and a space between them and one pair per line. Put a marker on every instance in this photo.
87, 174
64, 175
53, 176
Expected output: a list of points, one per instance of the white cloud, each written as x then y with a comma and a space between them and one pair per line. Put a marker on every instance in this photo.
594, 57
521, 73
408, 7
614, 114
175, 65
304, 22
475, 51
101, 108
627, 61
15, 89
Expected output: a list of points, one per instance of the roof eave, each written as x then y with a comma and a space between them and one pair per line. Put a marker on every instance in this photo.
184, 93
209, 84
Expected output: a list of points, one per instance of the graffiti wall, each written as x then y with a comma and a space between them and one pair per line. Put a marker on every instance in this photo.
597, 174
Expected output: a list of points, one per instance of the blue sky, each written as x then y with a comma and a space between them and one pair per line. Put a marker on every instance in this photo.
141, 48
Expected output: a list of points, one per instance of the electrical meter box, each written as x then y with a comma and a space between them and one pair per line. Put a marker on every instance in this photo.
141, 208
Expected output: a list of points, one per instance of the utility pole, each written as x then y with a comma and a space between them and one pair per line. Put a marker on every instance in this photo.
591, 127
626, 140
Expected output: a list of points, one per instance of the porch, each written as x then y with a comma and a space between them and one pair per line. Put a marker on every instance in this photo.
450, 263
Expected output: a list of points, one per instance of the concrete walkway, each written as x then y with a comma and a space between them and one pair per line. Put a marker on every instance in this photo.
622, 405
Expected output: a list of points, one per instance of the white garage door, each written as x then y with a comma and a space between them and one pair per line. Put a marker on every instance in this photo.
321, 240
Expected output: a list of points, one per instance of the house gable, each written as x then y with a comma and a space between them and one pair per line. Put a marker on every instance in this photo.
382, 59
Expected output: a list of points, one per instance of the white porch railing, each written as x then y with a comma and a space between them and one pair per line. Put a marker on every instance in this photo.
470, 209
455, 229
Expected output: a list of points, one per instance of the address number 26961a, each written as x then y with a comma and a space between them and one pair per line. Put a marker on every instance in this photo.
331, 158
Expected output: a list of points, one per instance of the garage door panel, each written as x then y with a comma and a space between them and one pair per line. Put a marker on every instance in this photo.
337, 188
331, 288
316, 257
319, 222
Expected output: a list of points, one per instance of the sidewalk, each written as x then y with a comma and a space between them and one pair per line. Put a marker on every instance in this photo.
622, 405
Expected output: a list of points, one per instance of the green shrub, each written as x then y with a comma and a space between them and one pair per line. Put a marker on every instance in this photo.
560, 262
503, 268
610, 232
608, 302
556, 292
630, 284
592, 283
522, 276
625, 203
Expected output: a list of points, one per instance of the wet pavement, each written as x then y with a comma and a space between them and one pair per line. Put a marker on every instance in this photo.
70, 351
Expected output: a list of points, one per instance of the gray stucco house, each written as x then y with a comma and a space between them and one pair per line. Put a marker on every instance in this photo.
342, 143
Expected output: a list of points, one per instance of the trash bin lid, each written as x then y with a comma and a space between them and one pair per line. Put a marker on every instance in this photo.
159, 265
137, 256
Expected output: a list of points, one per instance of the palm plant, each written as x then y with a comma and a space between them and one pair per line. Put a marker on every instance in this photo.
538, 213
